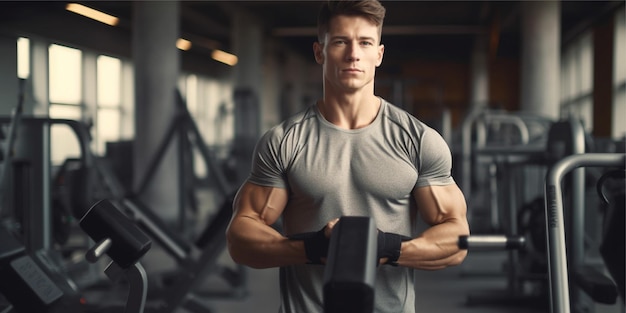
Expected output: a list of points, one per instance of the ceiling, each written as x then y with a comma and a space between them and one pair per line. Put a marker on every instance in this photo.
413, 29
424, 29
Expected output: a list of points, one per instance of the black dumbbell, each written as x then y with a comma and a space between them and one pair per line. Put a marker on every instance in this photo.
351, 266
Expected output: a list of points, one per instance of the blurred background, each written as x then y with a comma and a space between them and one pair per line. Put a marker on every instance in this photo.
158, 105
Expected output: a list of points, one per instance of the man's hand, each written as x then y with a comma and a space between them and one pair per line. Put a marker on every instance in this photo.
389, 245
316, 243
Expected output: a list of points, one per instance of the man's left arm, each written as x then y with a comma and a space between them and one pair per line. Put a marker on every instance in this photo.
445, 210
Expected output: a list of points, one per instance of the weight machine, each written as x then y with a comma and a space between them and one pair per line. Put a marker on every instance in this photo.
88, 179
601, 286
516, 133
33, 272
564, 138
200, 258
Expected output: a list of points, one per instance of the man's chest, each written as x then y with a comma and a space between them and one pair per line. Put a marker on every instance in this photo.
371, 168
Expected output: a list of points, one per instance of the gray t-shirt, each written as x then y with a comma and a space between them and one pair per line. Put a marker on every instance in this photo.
331, 172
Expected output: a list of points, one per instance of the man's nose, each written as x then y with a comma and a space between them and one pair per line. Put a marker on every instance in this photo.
353, 51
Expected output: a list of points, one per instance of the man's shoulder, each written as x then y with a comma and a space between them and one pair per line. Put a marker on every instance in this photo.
300, 117
400, 116
292, 122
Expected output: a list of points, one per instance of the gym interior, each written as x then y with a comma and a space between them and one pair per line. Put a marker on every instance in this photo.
127, 127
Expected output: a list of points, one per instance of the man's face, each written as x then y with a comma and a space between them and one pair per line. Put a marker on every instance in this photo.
350, 53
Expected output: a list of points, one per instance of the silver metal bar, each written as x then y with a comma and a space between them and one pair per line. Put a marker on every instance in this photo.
137, 280
491, 242
555, 226
138, 289
95, 253
513, 120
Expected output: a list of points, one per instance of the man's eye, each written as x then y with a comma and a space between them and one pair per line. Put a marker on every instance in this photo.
340, 42
367, 43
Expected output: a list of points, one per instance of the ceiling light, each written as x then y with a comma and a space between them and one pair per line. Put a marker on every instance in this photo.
183, 44
92, 14
224, 57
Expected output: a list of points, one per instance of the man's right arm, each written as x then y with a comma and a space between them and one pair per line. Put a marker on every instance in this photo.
251, 239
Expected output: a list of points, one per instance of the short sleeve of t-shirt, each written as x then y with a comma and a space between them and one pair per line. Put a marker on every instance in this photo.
435, 160
267, 166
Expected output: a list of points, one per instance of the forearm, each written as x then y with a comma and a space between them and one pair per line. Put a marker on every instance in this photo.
252, 243
436, 248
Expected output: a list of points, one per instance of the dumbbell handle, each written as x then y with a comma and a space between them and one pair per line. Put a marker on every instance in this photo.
97, 251
491, 242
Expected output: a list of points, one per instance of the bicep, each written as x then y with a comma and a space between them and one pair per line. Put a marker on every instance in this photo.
261, 203
438, 204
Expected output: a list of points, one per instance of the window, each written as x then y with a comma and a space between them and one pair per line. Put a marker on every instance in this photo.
109, 110
65, 95
23, 58
65, 75
209, 102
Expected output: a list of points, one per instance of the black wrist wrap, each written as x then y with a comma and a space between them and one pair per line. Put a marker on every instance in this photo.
389, 245
315, 245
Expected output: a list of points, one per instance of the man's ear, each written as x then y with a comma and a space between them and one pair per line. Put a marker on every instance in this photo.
381, 52
318, 52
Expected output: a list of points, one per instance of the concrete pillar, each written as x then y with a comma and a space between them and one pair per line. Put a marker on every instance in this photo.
156, 59
292, 89
247, 40
247, 43
273, 78
541, 50
479, 81
8, 74
603, 67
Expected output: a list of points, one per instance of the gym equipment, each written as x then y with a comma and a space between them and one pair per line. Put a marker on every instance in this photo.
614, 234
24, 284
350, 270
6, 150
180, 286
119, 238
491, 242
30, 219
555, 224
528, 129
32, 154
189, 136
182, 292
591, 278
528, 267
42, 225
87, 179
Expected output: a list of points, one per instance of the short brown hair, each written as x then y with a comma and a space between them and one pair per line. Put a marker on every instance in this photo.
372, 10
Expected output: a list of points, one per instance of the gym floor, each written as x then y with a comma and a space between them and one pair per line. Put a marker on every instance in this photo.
451, 290
437, 291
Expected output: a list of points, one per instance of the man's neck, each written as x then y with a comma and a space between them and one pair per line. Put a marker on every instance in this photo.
350, 111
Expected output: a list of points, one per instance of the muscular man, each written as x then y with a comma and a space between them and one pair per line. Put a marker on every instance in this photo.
350, 153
